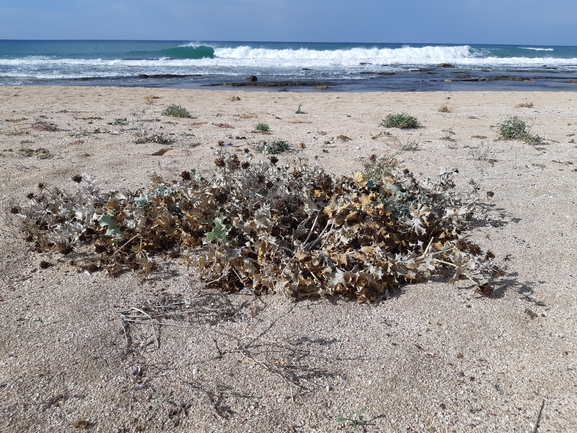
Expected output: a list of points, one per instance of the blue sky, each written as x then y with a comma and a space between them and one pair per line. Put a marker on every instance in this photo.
551, 22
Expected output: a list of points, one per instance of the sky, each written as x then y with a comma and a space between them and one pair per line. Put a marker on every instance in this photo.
538, 22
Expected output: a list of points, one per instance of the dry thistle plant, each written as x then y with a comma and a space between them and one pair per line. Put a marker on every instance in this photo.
149, 99
44, 125
293, 230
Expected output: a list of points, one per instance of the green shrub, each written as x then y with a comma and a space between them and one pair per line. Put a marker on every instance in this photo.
274, 148
513, 128
176, 111
261, 127
402, 121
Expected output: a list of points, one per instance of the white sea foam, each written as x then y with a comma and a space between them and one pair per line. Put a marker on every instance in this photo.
462, 55
537, 49
404, 55
249, 57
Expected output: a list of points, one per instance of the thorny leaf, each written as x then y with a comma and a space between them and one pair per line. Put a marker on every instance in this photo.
219, 232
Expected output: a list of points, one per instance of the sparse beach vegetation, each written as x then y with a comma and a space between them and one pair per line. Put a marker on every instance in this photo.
273, 148
355, 419
513, 128
241, 267
174, 110
262, 128
401, 121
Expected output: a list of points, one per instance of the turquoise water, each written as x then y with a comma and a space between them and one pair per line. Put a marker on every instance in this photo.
343, 66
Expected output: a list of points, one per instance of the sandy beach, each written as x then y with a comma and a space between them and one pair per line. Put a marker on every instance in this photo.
436, 357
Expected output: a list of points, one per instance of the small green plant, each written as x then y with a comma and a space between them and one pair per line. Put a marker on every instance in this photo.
262, 127
274, 148
355, 419
278, 146
158, 396
299, 111
120, 121
176, 111
401, 121
513, 128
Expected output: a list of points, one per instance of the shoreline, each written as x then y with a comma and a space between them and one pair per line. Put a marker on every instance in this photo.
162, 352
417, 81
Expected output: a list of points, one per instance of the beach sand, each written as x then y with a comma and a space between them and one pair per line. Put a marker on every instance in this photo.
436, 357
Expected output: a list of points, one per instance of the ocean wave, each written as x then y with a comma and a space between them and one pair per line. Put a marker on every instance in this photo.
309, 61
280, 59
537, 49
414, 55
189, 52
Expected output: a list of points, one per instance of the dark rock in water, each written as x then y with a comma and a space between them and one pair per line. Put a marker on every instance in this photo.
376, 73
471, 79
273, 83
252, 78
164, 76
444, 65
508, 78
305, 69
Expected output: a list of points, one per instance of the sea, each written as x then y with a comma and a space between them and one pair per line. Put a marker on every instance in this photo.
285, 66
